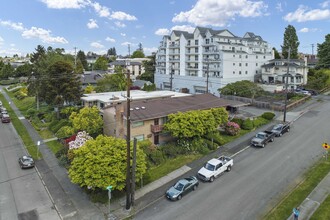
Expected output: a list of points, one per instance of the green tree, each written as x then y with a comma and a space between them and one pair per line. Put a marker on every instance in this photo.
88, 119
138, 54
195, 123
24, 70
317, 79
112, 52
82, 57
149, 70
323, 53
89, 89
101, 63
101, 162
62, 85
6, 71
242, 88
112, 83
276, 54
290, 41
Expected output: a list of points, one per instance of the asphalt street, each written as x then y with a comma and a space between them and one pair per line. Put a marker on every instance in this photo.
22, 193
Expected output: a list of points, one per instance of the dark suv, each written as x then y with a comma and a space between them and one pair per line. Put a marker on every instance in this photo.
26, 162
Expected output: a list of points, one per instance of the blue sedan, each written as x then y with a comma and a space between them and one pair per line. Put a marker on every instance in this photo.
182, 187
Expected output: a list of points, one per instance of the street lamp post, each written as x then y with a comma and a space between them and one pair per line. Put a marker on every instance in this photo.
109, 196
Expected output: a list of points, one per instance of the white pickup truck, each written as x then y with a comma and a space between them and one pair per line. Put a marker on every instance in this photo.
215, 167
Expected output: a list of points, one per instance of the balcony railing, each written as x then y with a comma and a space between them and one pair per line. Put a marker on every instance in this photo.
156, 128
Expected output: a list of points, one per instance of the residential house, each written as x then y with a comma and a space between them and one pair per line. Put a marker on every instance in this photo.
133, 65
277, 71
148, 116
207, 59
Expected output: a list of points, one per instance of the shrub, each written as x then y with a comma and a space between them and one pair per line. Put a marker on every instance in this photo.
31, 112
216, 137
247, 124
259, 121
64, 132
239, 121
156, 157
268, 115
55, 125
232, 128
210, 144
171, 150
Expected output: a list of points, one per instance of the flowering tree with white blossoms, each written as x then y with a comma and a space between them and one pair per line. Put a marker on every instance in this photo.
81, 138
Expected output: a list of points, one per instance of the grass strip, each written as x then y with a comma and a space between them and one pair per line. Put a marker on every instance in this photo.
311, 179
323, 212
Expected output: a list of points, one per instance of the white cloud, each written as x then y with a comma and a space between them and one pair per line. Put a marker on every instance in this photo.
150, 50
102, 11
12, 45
97, 45
162, 31
120, 24
128, 43
1, 40
279, 7
110, 40
42, 34
15, 26
119, 15
306, 30
59, 4
92, 24
218, 13
303, 13
10, 52
123, 34
187, 28
325, 4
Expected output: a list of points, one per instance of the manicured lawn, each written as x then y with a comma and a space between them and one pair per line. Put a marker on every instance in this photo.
168, 166
22, 132
54, 146
311, 178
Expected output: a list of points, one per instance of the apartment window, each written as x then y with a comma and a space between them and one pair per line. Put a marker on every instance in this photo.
256, 64
137, 124
233, 55
196, 57
240, 64
257, 57
196, 42
196, 50
246, 64
246, 56
233, 72
188, 43
139, 137
246, 72
240, 72
233, 64
207, 41
240, 56
264, 57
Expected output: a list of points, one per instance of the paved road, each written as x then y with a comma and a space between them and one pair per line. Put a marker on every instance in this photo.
259, 177
22, 194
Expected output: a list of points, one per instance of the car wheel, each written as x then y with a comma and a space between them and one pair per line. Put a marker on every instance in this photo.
195, 187
280, 134
228, 168
212, 179
179, 197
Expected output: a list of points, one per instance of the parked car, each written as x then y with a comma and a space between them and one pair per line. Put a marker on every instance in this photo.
4, 112
214, 168
26, 162
262, 138
280, 129
5, 118
182, 187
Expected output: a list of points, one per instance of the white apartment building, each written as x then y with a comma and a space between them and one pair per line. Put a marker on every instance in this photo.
276, 71
208, 59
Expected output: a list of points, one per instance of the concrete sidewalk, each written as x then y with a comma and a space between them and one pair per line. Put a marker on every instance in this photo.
314, 199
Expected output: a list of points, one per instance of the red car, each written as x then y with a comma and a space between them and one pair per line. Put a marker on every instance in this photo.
5, 118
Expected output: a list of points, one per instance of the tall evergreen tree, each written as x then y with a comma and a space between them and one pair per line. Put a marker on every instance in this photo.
323, 53
290, 41
276, 54
82, 57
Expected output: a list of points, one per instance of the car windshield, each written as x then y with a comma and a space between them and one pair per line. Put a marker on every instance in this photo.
27, 159
277, 127
261, 136
209, 167
178, 186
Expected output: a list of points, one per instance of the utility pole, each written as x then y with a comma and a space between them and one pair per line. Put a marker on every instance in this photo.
312, 49
207, 76
75, 58
133, 171
286, 86
128, 142
171, 78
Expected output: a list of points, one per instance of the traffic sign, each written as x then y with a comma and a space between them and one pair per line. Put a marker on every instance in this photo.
325, 146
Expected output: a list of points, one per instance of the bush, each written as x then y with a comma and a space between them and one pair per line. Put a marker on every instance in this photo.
232, 128
210, 145
31, 112
171, 150
239, 121
268, 115
216, 137
247, 124
259, 121
156, 157
64, 132
55, 125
